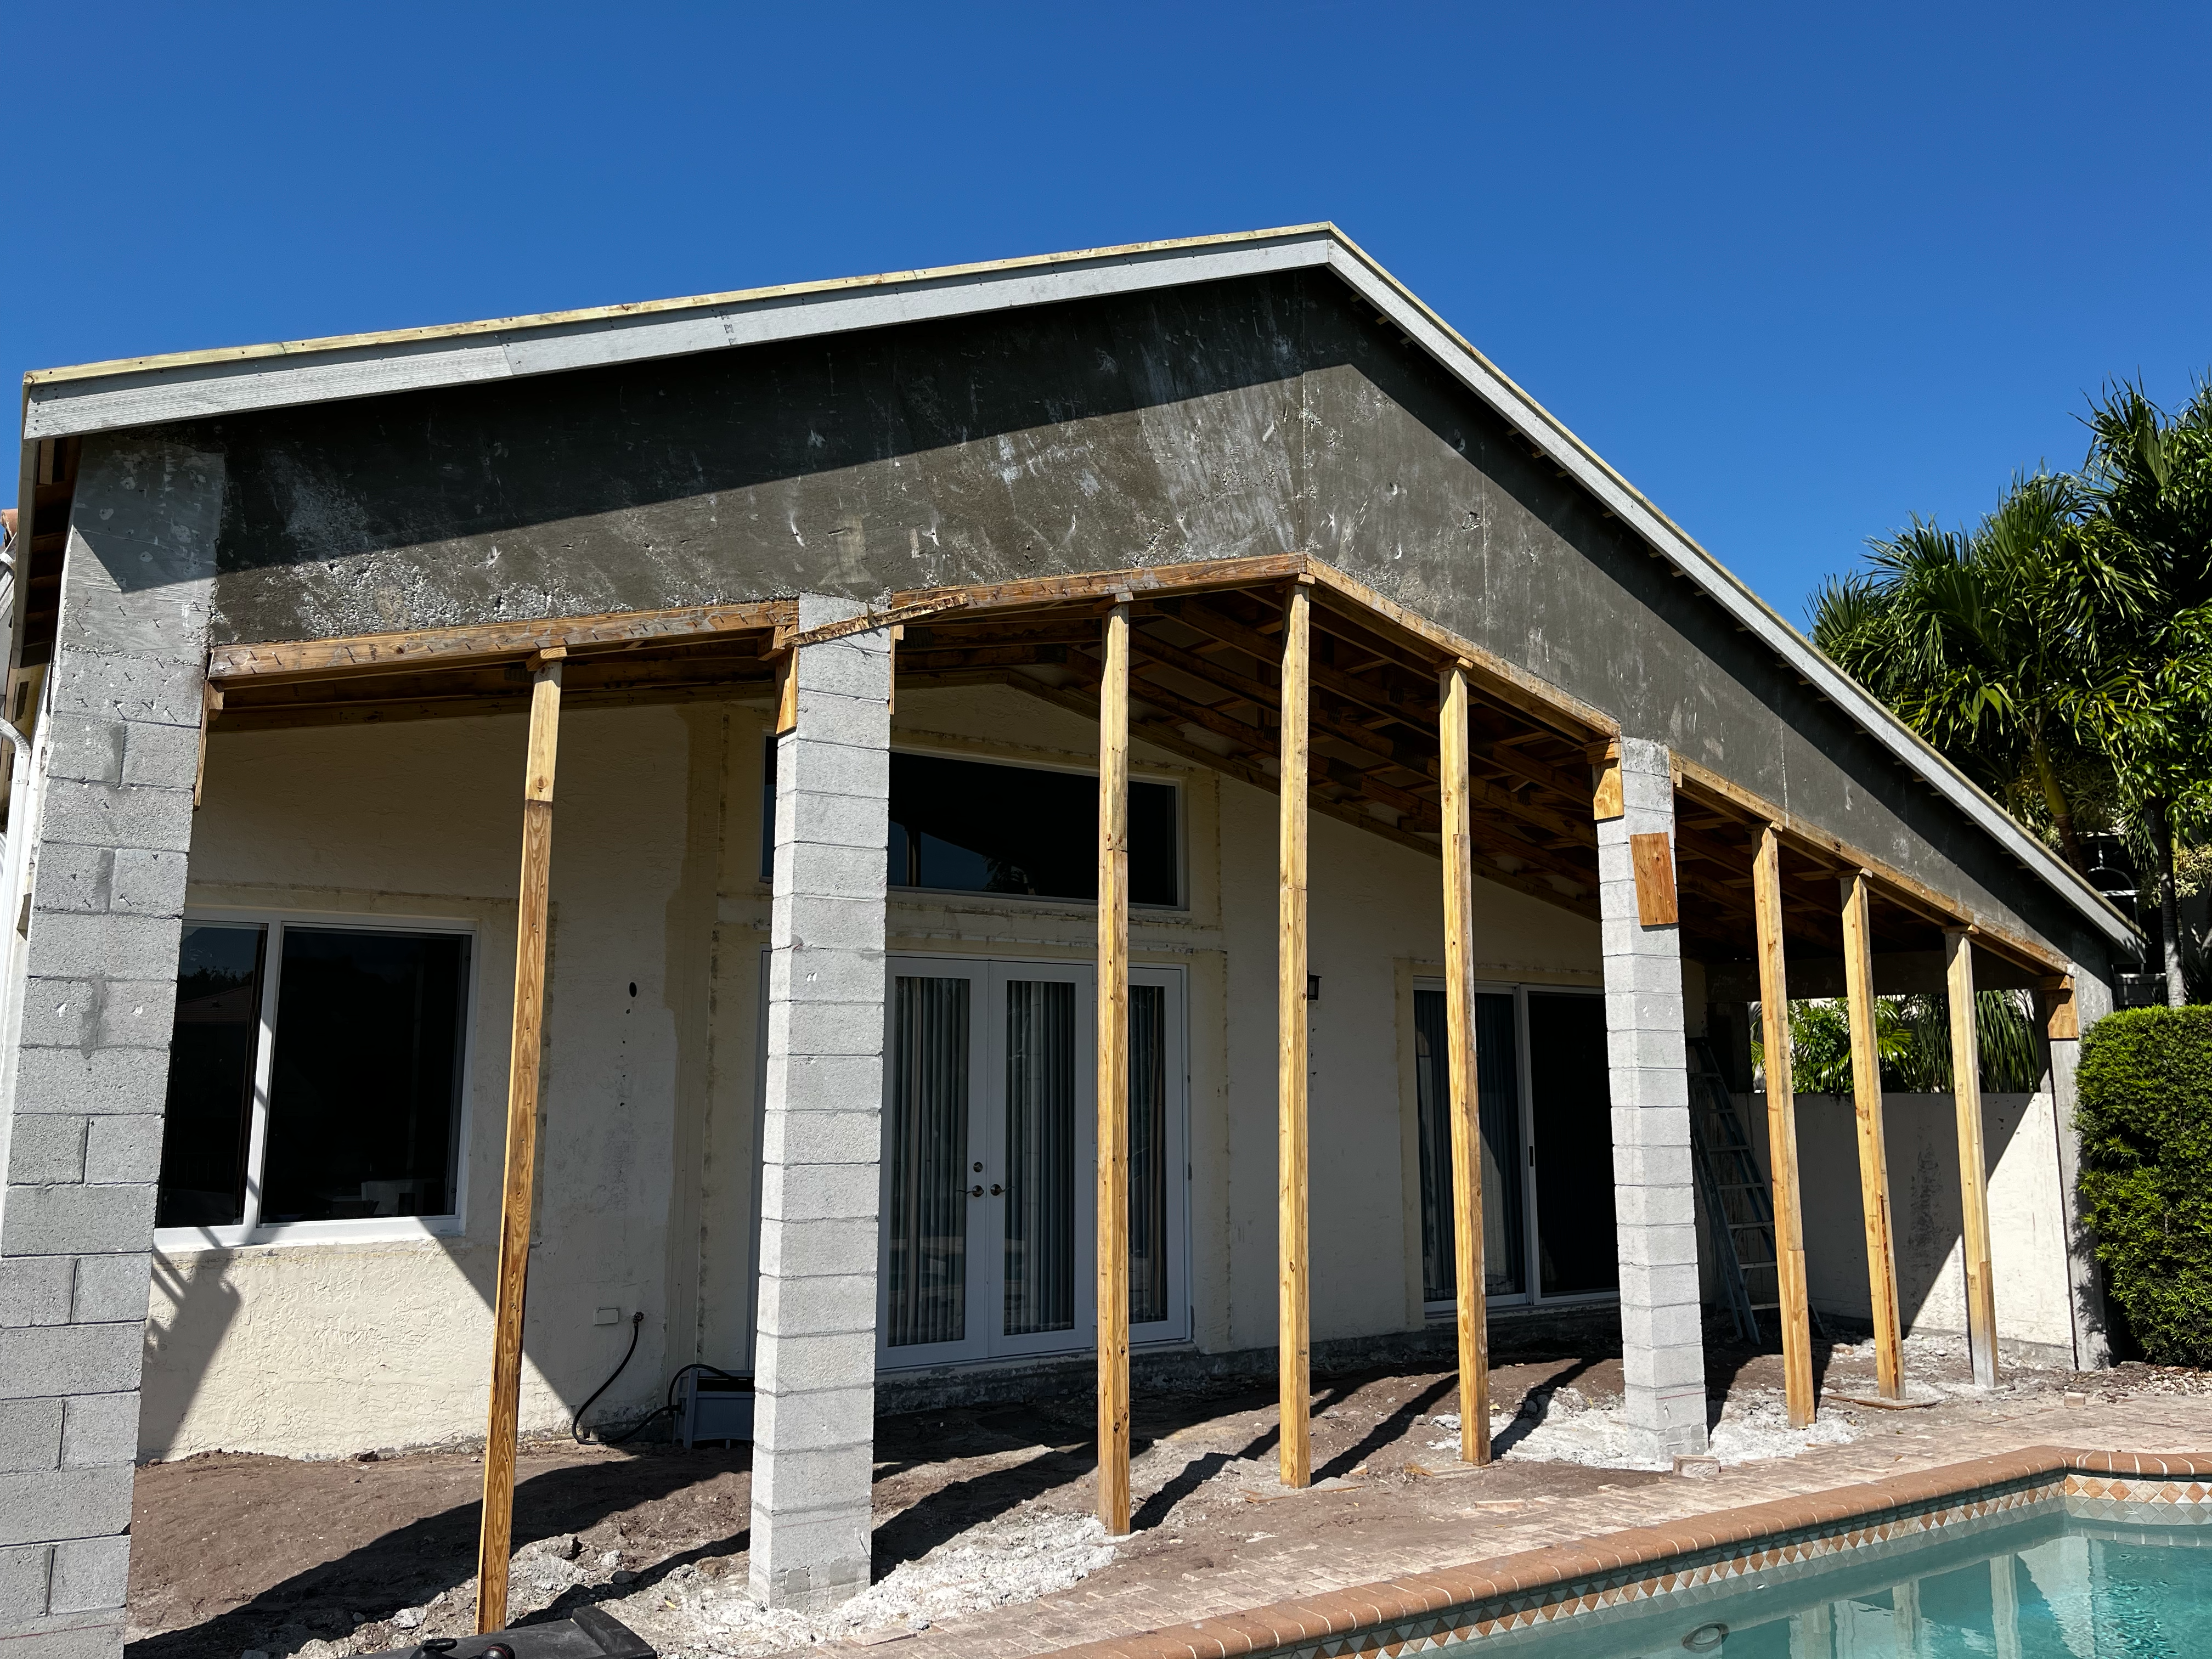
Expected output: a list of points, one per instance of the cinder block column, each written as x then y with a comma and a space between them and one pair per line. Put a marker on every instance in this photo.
1661, 1331
815, 1354
2093, 1341
87, 1017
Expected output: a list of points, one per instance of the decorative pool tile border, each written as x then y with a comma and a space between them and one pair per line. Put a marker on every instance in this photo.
1423, 1611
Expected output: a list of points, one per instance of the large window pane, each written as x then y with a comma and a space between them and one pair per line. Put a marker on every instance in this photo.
1497, 1090
209, 1115
926, 1145
971, 826
1572, 1096
1148, 1154
1040, 1226
365, 1091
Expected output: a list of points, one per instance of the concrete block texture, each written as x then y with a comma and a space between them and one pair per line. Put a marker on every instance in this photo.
76, 944
111, 1288
75, 1228
77, 1220
124, 1149
830, 976
25, 1571
47, 1149
37, 1361
102, 1083
818, 1136
90, 1575
35, 1289
65, 1636
48, 1506
831, 1305
1661, 1328
100, 1429
826, 1083
30, 1435
807, 1194
814, 1369
800, 1247
122, 815
100, 1012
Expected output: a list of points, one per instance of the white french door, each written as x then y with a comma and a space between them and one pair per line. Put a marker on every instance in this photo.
989, 1159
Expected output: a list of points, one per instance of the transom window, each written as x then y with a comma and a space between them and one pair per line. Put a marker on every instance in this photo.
315, 1080
970, 826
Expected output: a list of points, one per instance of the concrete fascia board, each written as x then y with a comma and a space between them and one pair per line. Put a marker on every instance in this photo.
188, 385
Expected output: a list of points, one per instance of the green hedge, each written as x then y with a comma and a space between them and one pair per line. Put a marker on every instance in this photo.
2146, 1121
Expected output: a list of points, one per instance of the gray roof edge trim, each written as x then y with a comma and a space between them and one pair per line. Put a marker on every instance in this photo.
207, 386
1475, 371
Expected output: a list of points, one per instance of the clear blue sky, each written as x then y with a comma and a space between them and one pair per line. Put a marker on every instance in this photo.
1798, 272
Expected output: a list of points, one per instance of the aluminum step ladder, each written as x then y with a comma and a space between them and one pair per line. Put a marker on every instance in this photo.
1739, 1201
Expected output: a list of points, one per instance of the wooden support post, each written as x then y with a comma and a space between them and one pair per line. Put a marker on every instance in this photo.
495, 1540
1974, 1166
1291, 1328
1466, 1100
1873, 1156
1114, 1077
1782, 1133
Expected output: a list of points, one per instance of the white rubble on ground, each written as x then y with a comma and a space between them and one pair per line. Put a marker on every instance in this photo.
1569, 1428
1015, 1559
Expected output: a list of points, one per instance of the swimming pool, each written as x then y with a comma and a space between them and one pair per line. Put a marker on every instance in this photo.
2055, 1586
2045, 1550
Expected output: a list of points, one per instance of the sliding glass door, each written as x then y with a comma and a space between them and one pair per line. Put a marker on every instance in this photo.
1544, 1104
989, 1167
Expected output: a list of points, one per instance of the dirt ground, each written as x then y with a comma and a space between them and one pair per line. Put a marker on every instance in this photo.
249, 1555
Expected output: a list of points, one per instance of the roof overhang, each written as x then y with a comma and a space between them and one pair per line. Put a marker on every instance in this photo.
138, 391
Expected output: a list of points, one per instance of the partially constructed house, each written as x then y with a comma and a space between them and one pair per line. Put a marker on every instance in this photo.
1446, 784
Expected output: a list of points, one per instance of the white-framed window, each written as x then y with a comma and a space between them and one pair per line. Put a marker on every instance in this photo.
317, 1079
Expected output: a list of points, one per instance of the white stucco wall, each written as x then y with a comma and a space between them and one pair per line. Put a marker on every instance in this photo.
2026, 1216
649, 1134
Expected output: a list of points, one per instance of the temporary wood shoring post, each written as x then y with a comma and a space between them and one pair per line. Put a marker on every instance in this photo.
1973, 1167
1782, 1133
1114, 1078
498, 1524
1873, 1156
1466, 1102
1292, 1330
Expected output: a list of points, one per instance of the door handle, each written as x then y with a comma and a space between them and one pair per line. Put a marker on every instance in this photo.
996, 1189
975, 1191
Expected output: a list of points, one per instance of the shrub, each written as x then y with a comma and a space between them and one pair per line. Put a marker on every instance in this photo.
2145, 1116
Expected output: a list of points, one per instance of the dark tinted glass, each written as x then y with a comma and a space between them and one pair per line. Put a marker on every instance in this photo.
364, 1101
1571, 1094
1497, 1091
973, 827
211, 1052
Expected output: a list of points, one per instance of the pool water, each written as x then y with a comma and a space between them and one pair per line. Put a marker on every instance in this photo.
2055, 1587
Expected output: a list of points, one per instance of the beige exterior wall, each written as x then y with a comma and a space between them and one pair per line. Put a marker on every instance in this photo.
646, 1185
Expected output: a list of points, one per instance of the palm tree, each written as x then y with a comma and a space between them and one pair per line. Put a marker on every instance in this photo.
1993, 644
2149, 484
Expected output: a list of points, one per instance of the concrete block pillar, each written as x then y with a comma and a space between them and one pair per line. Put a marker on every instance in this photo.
815, 1353
1662, 1330
84, 1061
2092, 1326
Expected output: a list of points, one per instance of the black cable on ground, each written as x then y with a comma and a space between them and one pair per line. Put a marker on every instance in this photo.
576, 1423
